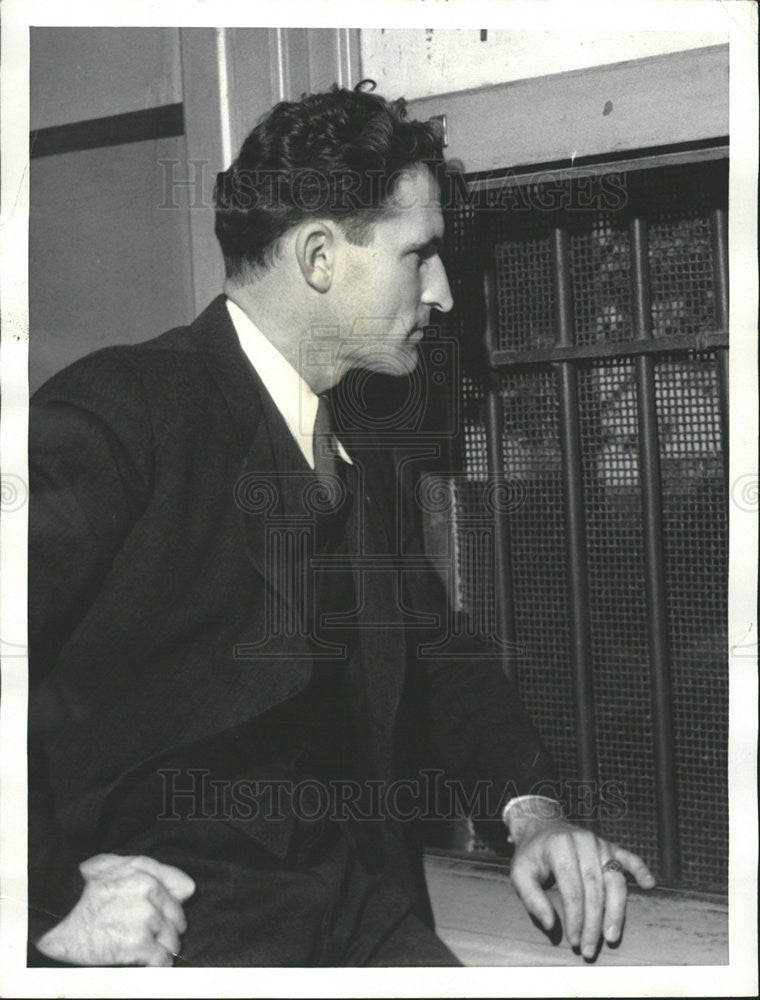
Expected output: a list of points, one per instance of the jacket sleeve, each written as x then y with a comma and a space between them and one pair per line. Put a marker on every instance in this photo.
89, 469
477, 727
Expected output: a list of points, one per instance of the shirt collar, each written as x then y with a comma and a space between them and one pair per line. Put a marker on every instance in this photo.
290, 393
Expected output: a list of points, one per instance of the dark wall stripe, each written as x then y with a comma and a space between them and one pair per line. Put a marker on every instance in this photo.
134, 126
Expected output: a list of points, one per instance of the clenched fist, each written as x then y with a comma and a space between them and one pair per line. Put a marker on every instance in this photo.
129, 913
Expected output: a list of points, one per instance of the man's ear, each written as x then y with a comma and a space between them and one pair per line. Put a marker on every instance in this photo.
315, 247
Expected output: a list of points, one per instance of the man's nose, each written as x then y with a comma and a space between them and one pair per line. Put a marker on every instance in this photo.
437, 293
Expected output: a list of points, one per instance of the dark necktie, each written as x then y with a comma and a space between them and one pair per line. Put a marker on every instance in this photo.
326, 456
330, 469
333, 507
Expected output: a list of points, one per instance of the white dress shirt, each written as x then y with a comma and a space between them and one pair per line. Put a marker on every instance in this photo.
290, 393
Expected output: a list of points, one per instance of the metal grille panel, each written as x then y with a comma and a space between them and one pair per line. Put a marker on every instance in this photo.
696, 550
526, 297
676, 205
609, 422
532, 455
601, 277
681, 274
531, 452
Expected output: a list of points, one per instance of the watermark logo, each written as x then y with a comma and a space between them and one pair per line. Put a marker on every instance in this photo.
195, 794
14, 493
744, 492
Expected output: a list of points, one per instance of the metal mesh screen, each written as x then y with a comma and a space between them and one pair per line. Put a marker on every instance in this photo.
609, 422
531, 449
526, 308
676, 204
532, 455
474, 576
680, 247
476, 461
696, 559
681, 275
600, 270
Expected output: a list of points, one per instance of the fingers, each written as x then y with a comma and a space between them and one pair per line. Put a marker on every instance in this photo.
617, 888
168, 922
102, 865
616, 897
634, 864
567, 873
177, 882
151, 927
604, 894
169, 908
156, 956
174, 880
168, 938
594, 892
526, 880
157, 939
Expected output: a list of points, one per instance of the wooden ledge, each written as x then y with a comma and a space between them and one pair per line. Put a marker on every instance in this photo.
481, 919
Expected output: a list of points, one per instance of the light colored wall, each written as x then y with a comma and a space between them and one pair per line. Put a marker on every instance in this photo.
107, 263
421, 62
81, 73
679, 97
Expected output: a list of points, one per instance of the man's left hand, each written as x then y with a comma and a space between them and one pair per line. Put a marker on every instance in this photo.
593, 899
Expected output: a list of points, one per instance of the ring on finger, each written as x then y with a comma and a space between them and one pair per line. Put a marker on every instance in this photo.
612, 865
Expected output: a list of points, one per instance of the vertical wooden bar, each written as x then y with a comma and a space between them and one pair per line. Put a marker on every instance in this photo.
333, 57
575, 516
204, 95
230, 78
656, 592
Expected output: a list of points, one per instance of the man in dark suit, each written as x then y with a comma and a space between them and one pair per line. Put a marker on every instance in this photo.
236, 699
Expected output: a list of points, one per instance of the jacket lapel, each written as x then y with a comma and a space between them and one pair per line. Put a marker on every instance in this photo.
270, 491
271, 483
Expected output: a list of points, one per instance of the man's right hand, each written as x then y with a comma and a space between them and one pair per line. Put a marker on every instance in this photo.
129, 913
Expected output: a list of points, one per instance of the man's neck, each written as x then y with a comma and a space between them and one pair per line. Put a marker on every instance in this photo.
284, 324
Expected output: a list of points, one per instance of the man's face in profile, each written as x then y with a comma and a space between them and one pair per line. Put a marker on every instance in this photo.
389, 287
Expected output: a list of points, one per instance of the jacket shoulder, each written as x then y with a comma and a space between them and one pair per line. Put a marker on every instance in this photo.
164, 367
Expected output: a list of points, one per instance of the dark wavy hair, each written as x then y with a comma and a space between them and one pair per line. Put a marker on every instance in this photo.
337, 154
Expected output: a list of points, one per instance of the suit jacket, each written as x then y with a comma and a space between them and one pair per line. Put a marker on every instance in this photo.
157, 472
